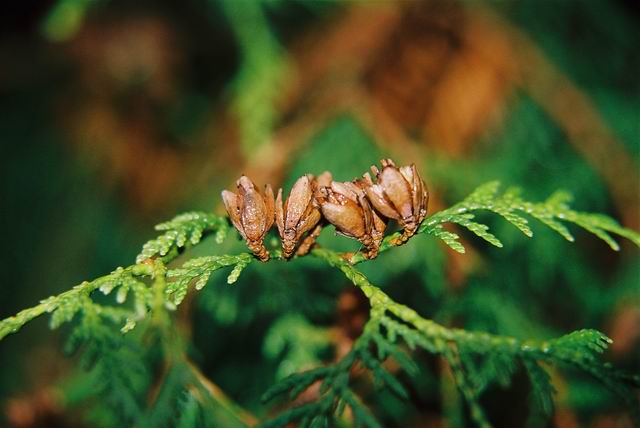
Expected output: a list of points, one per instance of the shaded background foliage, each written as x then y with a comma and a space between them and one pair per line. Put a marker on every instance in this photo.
114, 115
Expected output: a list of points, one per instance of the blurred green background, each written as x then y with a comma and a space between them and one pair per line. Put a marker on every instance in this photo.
115, 115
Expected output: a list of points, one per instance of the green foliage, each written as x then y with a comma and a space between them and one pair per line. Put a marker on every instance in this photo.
65, 19
117, 369
543, 390
183, 231
297, 341
499, 353
65, 306
263, 73
487, 197
507, 204
199, 270
149, 290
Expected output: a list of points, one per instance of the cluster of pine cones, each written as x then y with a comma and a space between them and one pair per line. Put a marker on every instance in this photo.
358, 209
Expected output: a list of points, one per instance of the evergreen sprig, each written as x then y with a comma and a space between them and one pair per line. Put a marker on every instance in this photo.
116, 367
184, 230
511, 206
65, 306
335, 392
476, 359
390, 321
132, 280
200, 269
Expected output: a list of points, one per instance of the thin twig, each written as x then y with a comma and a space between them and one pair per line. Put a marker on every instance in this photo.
218, 395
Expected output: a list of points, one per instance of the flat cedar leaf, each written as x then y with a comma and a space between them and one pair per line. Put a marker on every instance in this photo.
543, 390
479, 229
182, 229
449, 238
199, 270
510, 205
581, 343
296, 382
362, 414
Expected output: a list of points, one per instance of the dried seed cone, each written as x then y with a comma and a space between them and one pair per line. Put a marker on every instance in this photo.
399, 194
346, 207
252, 213
297, 216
